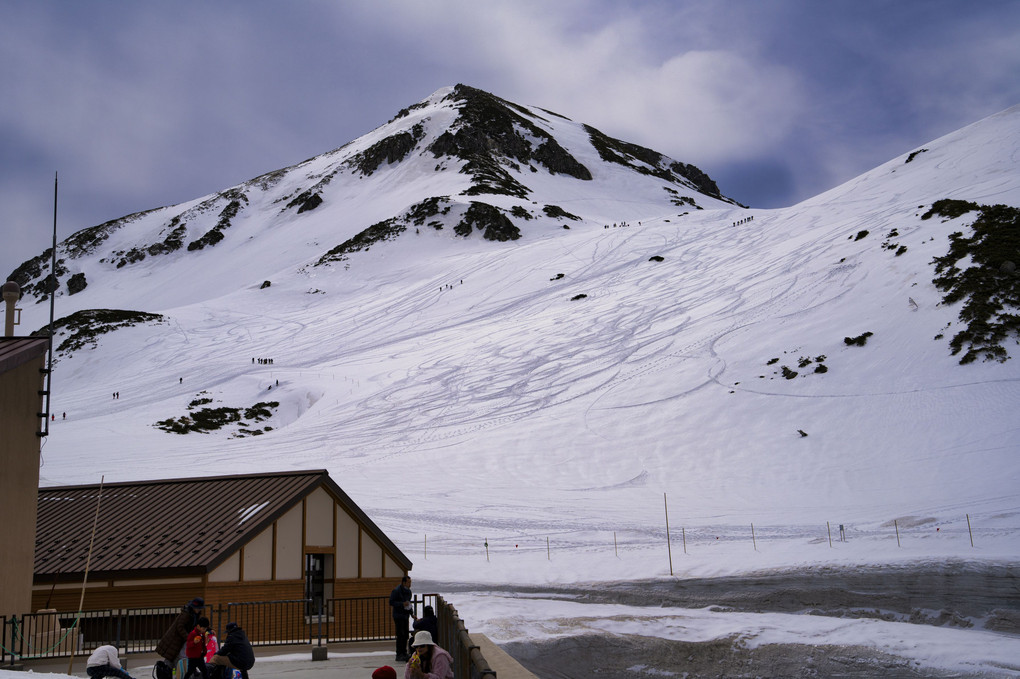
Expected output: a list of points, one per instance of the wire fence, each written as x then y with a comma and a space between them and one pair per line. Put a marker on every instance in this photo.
953, 535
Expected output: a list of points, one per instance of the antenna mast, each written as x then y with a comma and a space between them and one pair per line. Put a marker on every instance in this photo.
53, 296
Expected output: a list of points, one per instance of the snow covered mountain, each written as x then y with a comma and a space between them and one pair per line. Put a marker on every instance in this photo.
461, 161
493, 324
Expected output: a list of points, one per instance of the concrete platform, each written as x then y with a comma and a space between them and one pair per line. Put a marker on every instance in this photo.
354, 660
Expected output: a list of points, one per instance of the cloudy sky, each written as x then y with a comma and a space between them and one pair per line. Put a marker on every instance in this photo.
144, 104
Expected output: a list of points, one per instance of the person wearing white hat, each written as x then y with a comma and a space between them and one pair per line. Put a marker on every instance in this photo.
429, 661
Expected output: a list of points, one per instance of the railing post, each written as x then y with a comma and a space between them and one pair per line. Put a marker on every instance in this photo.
3, 636
14, 635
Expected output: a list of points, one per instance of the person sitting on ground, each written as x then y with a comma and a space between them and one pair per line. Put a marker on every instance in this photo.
194, 649
234, 653
429, 661
104, 663
427, 622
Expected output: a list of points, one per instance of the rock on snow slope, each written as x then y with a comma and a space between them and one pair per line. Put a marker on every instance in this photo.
530, 368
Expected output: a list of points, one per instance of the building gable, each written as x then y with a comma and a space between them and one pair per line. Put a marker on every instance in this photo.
152, 527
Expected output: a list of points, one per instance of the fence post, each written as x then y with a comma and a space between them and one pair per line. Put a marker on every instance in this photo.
669, 549
3, 638
320, 652
14, 637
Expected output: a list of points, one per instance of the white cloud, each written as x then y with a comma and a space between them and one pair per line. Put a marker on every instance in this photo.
710, 104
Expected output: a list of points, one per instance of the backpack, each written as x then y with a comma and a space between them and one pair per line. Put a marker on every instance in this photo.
161, 670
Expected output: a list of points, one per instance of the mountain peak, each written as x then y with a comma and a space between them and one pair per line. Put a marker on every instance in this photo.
462, 160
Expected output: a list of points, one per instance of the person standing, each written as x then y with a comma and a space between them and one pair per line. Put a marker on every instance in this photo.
429, 661
400, 602
235, 652
195, 649
104, 663
170, 646
211, 645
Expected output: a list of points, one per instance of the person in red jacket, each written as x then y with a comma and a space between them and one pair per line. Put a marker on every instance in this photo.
194, 648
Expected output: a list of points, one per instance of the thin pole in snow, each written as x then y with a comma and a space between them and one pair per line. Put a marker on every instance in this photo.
669, 549
970, 531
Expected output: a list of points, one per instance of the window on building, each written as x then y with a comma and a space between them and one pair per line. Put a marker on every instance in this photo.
318, 583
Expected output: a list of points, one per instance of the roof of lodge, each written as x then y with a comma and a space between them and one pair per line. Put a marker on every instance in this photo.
171, 527
15, 351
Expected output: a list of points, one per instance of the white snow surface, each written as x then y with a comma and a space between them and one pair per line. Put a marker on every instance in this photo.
501, 432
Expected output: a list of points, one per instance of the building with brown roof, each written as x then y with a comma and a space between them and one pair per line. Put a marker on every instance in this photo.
258, 537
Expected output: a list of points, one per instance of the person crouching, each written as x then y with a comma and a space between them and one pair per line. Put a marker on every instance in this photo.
234, 653
104, 663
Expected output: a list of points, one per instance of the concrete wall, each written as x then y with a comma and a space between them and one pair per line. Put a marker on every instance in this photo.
19, 481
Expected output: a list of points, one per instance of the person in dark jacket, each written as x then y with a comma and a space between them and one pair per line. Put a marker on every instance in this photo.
427, 622
169, 647
234, 653
400, 602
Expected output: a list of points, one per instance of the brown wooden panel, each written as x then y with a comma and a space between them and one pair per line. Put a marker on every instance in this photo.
175, 595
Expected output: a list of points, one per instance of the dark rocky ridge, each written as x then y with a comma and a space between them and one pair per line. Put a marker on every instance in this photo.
486, 131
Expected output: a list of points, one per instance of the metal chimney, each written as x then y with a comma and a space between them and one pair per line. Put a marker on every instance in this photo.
12, 293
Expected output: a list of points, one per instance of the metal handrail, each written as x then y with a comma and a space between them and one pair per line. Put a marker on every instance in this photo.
45, 634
